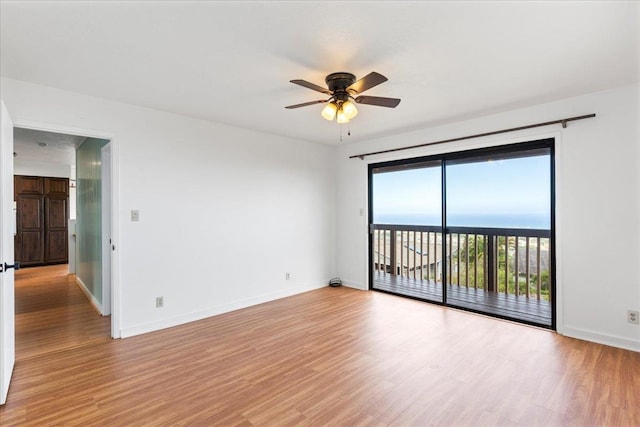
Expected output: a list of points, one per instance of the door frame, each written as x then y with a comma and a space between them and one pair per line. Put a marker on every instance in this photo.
553, 141
115, 196
105, 158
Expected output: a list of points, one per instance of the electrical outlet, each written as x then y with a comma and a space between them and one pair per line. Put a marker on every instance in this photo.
135, 215
159, 302
287, 276
633, 317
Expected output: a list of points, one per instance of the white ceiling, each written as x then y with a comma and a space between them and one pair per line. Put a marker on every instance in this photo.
45, 147
231, 62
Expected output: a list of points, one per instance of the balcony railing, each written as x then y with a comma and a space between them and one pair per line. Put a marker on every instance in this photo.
499, 260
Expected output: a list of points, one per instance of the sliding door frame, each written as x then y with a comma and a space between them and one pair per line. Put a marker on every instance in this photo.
546, 143
399, 164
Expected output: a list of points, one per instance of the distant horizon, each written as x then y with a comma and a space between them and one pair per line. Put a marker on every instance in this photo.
539, 221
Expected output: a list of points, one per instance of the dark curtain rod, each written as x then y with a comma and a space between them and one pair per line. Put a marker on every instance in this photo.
561, 121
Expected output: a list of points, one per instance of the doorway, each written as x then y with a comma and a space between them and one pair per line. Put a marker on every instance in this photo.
472, 230
82, 161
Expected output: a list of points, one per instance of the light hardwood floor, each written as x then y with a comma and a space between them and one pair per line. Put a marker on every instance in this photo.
334, 356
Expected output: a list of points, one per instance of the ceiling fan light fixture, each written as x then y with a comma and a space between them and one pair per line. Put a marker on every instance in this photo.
349, 109
342, 117
329, 111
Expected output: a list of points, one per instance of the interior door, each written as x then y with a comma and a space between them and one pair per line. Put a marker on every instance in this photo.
7, 230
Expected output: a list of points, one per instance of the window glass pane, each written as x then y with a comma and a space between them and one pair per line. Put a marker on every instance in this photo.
408, 197
500, 192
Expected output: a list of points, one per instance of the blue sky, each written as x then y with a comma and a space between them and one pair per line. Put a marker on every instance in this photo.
415, 191
516, 187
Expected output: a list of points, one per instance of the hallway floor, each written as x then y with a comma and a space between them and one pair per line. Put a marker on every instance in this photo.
52, 313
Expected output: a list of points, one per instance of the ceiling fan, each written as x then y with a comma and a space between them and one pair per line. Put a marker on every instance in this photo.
342, 87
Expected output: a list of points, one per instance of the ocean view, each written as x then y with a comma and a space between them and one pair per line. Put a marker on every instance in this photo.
529, 221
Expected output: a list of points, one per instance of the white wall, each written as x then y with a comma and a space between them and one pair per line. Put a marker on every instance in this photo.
598, 204
224, 212
27, 167
72, 192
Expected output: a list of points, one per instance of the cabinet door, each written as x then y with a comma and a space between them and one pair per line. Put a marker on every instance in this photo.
28, 185
56, 186
30, 235
56, 218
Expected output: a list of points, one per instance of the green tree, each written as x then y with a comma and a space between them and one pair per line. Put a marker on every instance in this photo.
468, 259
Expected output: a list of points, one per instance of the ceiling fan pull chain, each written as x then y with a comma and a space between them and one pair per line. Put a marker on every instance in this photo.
340, 132
349, 130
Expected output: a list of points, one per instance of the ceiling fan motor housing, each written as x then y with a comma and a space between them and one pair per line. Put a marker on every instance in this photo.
343, 87
338, 84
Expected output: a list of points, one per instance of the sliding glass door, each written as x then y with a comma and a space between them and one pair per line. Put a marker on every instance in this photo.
470, 229
498, 233
406, 231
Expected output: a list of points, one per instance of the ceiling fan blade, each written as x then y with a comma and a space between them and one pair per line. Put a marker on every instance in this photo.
367, 82
311, 86
379, 101
304, 104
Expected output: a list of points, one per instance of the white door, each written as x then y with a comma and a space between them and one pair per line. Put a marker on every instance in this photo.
7, 231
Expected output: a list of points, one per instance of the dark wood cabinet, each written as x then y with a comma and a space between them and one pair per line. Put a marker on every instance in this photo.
29, 185
29, 248
42, 218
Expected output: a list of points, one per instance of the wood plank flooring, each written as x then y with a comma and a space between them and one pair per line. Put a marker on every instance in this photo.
529, 310
334, 356
53, 314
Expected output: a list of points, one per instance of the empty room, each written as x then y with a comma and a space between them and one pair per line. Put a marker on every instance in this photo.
376, 213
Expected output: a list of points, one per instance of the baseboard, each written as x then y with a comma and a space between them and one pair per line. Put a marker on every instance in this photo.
94, 302
354, 284
221, 309
600, 338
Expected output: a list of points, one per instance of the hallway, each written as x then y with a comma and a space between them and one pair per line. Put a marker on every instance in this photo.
52, 313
